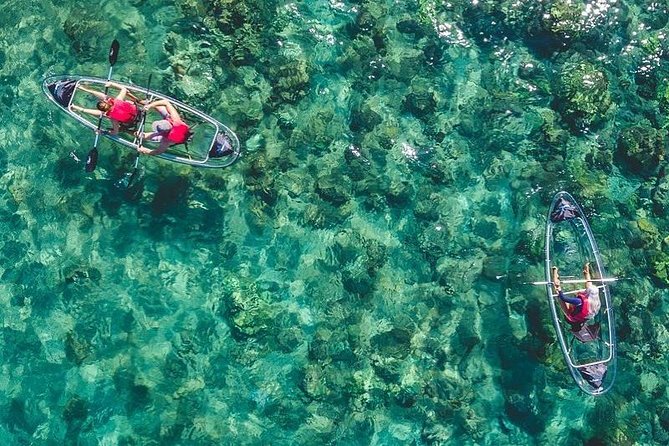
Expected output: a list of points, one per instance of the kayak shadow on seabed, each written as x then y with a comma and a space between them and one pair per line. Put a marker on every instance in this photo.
131, 183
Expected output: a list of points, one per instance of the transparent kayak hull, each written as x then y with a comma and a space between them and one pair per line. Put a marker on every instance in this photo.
590, 351
199, 152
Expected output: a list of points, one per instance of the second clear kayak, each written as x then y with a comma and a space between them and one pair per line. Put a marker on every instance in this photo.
589, 345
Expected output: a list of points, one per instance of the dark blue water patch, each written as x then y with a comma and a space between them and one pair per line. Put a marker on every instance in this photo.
68, 173
17, 421
74, 414
171, 195
136, 397
13, 251
25, 345
487, 27
8, 93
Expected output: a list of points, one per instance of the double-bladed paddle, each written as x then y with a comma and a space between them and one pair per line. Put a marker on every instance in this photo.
606, 279
92, 159
139, 138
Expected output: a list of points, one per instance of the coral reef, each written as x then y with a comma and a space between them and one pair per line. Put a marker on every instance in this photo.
359, 275
582, 94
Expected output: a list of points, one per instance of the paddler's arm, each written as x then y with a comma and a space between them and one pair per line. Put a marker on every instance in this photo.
90, 111
97, 94
174, 114
164, 145
123, 91
570, 300
586, 275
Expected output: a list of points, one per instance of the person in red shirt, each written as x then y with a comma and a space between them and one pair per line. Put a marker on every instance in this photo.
118, 110
168, 131
584, 306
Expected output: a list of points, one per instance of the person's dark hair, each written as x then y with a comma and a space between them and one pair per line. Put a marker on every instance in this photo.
103, 106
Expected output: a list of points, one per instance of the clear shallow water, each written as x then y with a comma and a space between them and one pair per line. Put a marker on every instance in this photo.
339, 284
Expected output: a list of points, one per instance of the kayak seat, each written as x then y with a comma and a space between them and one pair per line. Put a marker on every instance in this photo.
222, 146
564, 211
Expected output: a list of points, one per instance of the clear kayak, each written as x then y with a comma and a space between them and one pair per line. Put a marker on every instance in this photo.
212, 144
589, 348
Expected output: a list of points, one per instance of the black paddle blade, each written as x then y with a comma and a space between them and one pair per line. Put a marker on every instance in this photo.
113, 52
92, 160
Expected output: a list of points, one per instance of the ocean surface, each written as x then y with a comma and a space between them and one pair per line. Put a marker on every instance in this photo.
358, 276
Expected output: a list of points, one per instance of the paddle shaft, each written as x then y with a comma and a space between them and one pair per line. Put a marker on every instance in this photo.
92, 159
97, 134
611, 279
140, 131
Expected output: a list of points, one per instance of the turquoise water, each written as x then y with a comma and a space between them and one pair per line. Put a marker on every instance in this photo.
357, 276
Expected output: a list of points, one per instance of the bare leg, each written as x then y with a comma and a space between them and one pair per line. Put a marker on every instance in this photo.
557, 288
556, 279
586, 275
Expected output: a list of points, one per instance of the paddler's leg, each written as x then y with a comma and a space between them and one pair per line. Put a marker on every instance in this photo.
566, 303
556, 279
586, 275
557, 288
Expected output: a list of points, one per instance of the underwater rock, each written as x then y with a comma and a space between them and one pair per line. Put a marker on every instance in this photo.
326, 215
330, 345
564, 19
77, 349
239, 22
334, 188
399, 194
13, 251
522, 410
171, 195
289, 78
290, 338
421, 100
660, 197
531, 245
582, 94
409, 25
641, 148
660, 265
494, 267
192, 68
314, 382
357, 280
395, 343
435, 240
426, 205
248, 312
86, 31
370, 22
75, 275
600, 158
404, 64
365, 116
389, 369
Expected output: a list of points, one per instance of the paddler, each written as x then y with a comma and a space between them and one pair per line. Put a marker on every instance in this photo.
586, 303
119, 111
168, 131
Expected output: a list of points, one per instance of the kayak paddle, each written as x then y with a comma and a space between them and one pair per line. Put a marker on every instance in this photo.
140, 131
608, 279
92, 159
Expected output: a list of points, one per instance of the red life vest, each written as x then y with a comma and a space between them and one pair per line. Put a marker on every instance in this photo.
578, 315
179, 133
122, 111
